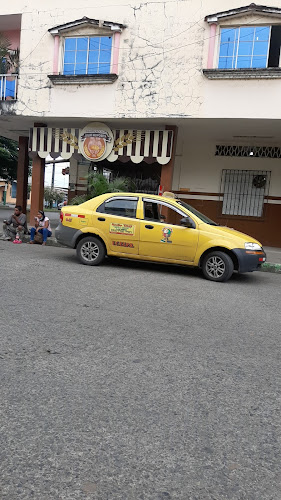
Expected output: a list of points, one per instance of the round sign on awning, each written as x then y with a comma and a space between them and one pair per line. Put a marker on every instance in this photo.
95, 141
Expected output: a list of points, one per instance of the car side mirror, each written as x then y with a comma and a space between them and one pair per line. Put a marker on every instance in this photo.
187, 222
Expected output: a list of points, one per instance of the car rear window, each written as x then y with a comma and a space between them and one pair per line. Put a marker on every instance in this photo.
122, 207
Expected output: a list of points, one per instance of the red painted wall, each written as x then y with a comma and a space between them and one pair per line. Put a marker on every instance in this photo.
267, 229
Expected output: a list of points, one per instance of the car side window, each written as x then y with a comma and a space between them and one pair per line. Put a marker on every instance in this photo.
159, 212
123, 207
151, 211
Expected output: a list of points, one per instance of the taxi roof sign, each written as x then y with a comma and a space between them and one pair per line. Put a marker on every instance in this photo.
169, 194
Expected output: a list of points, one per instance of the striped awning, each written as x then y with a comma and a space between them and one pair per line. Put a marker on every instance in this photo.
148, 145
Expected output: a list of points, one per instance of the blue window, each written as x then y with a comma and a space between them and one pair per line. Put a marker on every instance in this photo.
14, 190
87, 55
244, 47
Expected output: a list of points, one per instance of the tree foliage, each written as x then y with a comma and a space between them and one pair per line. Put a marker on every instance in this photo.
98, 184
8, 158
51, 196
5, 45
9, 59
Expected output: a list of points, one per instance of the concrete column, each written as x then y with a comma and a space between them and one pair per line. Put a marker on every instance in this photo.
38, 174
73, 175
22, 173
168, 169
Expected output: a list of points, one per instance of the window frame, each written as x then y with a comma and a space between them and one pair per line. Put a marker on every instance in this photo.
235, 56
113, 198
62, 63
158, 202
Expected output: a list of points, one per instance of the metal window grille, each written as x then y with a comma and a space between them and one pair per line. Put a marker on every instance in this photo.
248, 151
8, 87
244, 192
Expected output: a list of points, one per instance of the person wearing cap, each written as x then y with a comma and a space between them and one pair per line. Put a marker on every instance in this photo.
42, 226
15, 226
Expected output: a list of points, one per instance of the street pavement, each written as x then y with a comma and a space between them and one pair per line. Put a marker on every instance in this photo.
136, 381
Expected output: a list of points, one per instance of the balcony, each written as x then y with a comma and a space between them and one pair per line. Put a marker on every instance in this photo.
8, 87
10, 33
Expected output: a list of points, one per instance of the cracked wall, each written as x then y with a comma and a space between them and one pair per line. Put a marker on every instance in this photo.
157, 68
162, 52
160, 67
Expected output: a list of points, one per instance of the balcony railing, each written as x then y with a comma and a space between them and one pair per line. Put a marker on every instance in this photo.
8, 87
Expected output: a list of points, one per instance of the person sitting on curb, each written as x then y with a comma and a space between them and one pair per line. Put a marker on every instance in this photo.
15, 226
42, 226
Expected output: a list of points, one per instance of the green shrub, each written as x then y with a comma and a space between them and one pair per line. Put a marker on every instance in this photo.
77, 200
98, 184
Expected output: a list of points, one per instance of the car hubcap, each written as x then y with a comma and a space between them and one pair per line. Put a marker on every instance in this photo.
215, 267
89, 251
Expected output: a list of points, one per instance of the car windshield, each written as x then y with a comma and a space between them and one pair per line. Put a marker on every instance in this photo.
198, 214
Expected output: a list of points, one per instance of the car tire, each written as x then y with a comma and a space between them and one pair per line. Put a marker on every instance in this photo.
217, 266
90, 251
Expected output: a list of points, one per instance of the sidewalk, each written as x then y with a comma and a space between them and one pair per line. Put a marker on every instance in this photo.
273, 260
51, 241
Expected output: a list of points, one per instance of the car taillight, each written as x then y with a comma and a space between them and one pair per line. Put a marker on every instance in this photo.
61, 216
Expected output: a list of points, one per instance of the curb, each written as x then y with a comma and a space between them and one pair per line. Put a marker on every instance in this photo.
51, 242
267, 267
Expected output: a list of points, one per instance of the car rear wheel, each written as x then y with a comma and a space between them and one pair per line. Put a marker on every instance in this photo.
217, 266
90, 251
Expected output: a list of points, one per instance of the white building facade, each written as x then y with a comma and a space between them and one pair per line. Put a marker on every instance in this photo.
180, 96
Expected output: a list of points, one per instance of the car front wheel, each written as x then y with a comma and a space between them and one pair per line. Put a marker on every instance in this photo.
90, 251
217, 266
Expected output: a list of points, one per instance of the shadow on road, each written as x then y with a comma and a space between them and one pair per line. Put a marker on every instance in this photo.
176, 270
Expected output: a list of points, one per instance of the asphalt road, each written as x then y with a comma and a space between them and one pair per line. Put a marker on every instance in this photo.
136, 381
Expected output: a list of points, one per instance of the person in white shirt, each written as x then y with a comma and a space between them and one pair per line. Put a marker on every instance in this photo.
42, 225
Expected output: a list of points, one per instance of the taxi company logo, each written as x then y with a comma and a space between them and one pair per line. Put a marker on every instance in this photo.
123, 244
166, 232
116, 228
96, 141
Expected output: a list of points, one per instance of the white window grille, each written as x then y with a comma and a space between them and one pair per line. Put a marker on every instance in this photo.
250, 151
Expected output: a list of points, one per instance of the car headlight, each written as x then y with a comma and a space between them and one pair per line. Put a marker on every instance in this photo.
252, 246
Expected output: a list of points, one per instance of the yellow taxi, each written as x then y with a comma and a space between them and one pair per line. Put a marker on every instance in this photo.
156, 228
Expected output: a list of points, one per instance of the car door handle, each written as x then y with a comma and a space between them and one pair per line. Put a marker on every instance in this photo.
102, 219
148, 226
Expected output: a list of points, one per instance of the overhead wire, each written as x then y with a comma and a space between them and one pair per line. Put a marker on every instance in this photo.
162, 52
